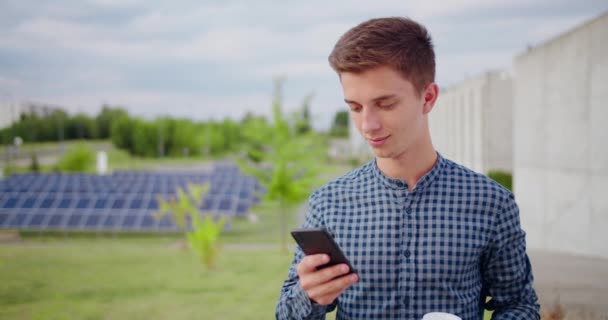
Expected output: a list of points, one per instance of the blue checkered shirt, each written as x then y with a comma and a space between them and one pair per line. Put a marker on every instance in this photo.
442, 247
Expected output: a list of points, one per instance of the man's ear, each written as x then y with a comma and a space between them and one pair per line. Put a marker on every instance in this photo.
429, 96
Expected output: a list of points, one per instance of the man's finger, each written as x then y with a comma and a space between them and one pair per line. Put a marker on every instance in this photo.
311, 262
330, 290
318, 277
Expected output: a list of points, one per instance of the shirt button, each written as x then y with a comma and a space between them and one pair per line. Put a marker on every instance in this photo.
407, 253
408, 210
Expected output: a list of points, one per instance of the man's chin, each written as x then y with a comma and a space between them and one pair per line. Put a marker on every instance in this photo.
383, 154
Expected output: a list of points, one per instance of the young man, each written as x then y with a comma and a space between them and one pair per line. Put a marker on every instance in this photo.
424, 233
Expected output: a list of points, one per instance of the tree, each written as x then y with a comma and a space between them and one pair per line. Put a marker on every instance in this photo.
302, 121
288, 162
104, 119
339, 127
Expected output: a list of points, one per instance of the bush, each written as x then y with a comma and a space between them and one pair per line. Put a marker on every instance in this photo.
503, 178
77, 159
34, 165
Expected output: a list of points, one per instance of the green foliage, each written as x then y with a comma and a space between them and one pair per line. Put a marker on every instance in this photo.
204, 238
78, 159
121, 133
51, 124
339, 127
205, 233
185, 204
284, 159
302, 120
146, 138
81, 127
34, 165
503, 178
105, 119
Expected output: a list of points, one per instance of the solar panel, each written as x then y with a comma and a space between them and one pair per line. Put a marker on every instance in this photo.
4, 217
18, 220
153, 204
148, 222
83, 203
56, 221
37, 220
47, 202
101, 203
241, 209
129, 222
136, 203
111, 221
92, 221
121, 201
11, 203
65, 203
75, 221
225, 204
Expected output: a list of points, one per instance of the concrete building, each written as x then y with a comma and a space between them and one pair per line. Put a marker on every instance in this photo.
472, 122
561, 140
9, 113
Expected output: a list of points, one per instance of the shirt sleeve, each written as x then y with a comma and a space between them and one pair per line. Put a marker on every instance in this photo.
294, 303
507, 273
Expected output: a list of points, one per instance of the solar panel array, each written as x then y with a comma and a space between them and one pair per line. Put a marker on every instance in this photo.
122, 201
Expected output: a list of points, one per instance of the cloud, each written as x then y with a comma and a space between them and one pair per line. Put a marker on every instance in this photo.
150, 104
149, 56
9, 84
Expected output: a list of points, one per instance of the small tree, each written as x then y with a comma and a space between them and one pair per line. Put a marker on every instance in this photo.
205, 233
34, 165
287, 162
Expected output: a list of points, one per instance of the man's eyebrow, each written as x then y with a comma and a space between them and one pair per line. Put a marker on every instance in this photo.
380, 98
384, 97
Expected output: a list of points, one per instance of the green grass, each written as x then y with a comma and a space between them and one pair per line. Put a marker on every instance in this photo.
135, 279
36, 146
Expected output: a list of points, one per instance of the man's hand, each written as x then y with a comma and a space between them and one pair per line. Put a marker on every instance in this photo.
325, 285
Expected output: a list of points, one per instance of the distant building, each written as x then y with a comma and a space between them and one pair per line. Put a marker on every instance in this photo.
561, 140
11, 111
471, 122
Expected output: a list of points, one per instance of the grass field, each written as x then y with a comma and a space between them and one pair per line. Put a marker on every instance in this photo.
135, 279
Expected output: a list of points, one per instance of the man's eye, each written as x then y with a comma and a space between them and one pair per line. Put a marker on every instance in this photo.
388, 105
354, 108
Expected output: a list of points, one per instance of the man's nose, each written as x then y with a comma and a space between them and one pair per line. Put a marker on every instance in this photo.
370, 121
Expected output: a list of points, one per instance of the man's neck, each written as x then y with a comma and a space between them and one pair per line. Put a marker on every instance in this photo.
409, 166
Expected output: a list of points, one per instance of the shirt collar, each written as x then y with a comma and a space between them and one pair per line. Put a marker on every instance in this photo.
400, 184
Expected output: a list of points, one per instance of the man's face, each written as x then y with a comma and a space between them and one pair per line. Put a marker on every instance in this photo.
386, 110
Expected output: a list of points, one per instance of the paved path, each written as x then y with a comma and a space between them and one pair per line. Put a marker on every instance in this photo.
577, 282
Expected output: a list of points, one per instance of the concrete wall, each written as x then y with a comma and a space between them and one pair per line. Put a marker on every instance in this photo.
9, 113
472, 122
561, 141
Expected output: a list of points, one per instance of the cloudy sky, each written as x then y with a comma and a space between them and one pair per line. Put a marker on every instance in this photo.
216, 59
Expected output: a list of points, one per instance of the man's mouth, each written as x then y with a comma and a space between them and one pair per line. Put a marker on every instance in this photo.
376, 142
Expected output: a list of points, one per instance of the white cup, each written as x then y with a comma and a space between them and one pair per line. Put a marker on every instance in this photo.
440, 316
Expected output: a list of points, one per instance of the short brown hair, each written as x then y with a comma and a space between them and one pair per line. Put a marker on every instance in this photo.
400, 43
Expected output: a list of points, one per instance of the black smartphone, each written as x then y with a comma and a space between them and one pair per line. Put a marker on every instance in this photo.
318, 240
